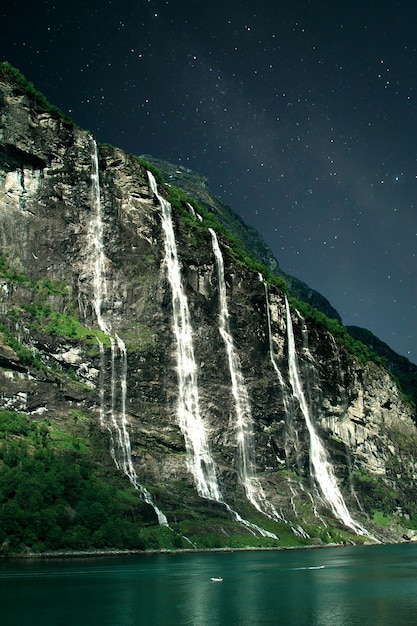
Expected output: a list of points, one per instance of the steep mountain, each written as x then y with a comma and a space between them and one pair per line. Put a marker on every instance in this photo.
400, 366
196, 186
158, 386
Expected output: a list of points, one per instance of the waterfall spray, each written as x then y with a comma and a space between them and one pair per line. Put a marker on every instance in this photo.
285, 391
95, 244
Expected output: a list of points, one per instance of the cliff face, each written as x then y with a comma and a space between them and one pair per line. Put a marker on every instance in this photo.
225, 411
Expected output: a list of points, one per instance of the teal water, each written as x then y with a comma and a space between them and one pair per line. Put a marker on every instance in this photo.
375, 585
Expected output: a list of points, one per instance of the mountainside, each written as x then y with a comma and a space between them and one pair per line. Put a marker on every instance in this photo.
196, 186
158, 386
400, 366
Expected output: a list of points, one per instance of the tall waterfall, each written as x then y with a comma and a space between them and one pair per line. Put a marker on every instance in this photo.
199, 459
251, 484
321, 468
271, 347
95, 244
291, 435
112, 417
298, 529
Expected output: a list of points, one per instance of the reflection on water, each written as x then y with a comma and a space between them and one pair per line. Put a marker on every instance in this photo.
374, 585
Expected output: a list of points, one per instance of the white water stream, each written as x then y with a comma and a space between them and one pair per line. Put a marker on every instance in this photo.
291, 436
112, 418
199, 460
243, 425
297, 529
285, 391
321, 468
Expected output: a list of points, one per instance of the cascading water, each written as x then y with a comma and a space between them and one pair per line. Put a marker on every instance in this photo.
199, 459
95, 244
321, 468
291, 434
298, 529
116, 424
284, 388
251, 484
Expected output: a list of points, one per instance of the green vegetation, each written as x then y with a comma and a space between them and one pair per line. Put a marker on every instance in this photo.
151, 168
6, 271
381, 519
375, 494
54, 495
65, 326
8, 72
339, 332
179, 201
404, 440
26, 357
44, 287
42, 318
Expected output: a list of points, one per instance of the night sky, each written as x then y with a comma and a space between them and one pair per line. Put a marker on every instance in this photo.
302, 114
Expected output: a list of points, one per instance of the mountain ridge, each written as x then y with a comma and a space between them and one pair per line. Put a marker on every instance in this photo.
196, 185
159, 388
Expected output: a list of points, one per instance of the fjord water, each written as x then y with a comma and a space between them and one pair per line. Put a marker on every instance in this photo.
371, 585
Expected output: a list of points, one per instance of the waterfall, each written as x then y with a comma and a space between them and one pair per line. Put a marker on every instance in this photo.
246, 468
117, 425
199, 459
285, 391
321, 468
95, 244
291, 433
298, 529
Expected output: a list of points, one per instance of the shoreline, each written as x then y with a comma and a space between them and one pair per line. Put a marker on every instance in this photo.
89, 554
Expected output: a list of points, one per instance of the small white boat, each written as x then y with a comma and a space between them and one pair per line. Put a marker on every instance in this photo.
215, 579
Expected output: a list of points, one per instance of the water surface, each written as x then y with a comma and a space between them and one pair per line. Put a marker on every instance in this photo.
375, 585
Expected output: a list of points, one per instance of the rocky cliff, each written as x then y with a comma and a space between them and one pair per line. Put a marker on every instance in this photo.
156, 366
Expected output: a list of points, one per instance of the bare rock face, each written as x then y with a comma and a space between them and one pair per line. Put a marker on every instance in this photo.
88, 324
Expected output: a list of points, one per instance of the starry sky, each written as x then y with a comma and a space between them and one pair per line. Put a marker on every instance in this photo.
302, 114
